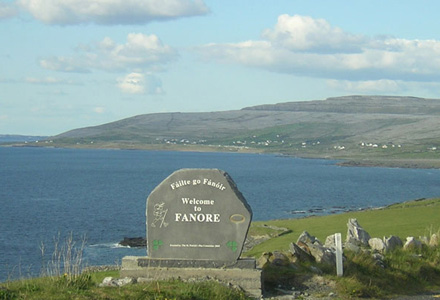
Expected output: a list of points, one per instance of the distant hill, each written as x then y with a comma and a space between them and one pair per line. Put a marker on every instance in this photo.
360, 104
334, 127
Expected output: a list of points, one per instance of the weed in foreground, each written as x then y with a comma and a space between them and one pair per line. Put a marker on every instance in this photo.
66, 263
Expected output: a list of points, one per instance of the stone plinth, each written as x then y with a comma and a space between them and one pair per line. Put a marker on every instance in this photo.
243, 273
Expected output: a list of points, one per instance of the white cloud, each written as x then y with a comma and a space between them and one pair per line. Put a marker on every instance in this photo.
137, 83
144, 52
312, 47
7, 10
111, 12
132, 83
302, 33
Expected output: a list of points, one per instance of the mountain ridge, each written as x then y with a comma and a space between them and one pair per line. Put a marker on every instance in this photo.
336, 127
360, 104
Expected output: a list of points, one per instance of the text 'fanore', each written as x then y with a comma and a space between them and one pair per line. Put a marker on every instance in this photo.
201, 218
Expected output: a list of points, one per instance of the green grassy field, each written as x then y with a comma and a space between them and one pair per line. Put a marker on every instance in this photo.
414, 218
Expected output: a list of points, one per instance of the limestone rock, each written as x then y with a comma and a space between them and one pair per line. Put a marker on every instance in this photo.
377, 244
356, 234
434, 240
114, 282
304, 247
306, 238
412, 243
424, 240
392, 242
352, 247
330, 241
263, 261
322, 254
125, 281
279, 259
300, 254
134, 242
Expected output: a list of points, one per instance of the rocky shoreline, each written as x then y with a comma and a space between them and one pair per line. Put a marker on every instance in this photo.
410, 163
393, 163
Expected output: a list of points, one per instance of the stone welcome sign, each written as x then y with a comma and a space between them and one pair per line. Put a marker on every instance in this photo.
197, 222
197, 214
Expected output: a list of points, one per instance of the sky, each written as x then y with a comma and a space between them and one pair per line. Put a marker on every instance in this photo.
67, 64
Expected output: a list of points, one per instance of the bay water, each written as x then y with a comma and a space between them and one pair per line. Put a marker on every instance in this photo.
100, 195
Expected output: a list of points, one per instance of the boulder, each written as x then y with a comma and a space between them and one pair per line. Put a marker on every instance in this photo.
263, 261
306, 238
392, 242
134, 242
356, 234
279, 259
304, 247
352, 247
276, 259
300, 254
412, 243
424, 240
377, 244
434, 240
322, 254
115, 282
330, 241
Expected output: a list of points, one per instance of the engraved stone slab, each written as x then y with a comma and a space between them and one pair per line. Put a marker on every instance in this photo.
146, 262
197, 214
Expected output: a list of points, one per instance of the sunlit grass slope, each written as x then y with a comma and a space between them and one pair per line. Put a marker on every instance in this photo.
414, 218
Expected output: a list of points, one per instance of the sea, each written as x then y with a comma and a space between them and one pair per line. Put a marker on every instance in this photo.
99, 196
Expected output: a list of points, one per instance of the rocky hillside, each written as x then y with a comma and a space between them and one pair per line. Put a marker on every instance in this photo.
360, 105
342, 123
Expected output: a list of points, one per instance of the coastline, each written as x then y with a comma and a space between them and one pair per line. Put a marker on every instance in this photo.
348, 161
393, 163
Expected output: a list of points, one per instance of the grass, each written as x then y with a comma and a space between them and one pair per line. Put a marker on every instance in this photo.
408, 272
405, 272
46, 288
415, 218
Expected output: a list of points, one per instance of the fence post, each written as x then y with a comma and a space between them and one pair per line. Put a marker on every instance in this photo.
339, 266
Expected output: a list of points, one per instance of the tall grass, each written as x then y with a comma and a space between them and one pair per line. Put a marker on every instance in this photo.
405, 272
66, 264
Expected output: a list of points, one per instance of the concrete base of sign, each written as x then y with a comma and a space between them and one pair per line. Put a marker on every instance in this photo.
243, 274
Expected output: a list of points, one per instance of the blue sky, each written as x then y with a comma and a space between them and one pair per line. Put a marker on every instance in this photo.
66, 64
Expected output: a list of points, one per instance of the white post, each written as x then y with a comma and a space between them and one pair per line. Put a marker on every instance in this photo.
338, 242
